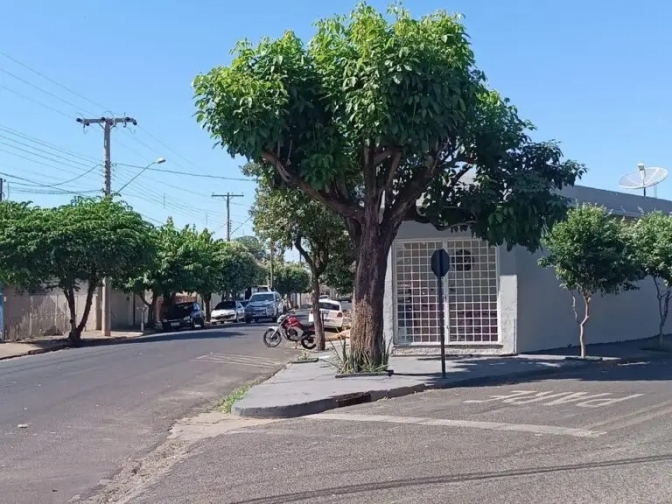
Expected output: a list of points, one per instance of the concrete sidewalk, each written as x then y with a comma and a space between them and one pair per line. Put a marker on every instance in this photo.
312, 387
11, 349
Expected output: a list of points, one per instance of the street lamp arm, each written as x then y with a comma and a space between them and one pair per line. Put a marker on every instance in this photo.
157, 162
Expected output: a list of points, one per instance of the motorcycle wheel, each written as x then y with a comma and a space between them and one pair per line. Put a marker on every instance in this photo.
293, 334
272, 338
309, 341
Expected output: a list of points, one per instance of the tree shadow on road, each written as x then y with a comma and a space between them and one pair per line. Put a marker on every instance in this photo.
453, 478
625, 361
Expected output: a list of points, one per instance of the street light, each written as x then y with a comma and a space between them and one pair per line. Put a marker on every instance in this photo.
157, 162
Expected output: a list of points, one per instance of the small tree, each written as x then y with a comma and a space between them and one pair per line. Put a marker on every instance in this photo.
80, 243
239, 270
291, 279
592, 254
652, 240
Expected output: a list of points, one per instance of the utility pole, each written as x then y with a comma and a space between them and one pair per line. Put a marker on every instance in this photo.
271, 265
228, 197
107, 123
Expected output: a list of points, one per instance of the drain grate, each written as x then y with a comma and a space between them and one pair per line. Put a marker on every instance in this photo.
353, 399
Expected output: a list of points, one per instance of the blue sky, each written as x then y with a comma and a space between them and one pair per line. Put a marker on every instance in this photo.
593, 75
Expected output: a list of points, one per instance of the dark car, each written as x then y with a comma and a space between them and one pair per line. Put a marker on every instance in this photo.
183, 315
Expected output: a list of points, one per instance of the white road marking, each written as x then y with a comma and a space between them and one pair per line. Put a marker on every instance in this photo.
240, 360
551, 398
467, 424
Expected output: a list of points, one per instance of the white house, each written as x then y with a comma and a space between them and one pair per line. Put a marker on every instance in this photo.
501, 302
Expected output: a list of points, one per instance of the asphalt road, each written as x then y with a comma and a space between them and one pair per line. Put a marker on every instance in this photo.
598, 436
83, 412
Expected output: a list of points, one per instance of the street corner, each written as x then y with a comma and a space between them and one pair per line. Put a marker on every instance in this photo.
310, 388
594, 403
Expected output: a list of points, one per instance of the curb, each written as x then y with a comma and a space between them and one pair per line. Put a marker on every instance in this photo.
66, 344
343, 400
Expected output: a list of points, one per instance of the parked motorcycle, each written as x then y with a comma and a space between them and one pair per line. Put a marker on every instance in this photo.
292, 329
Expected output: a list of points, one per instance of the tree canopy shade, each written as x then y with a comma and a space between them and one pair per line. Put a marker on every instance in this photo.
375, 112
67, 246
592, 253
652, 240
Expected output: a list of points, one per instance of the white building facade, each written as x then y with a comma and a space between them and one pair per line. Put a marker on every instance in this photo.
501, 302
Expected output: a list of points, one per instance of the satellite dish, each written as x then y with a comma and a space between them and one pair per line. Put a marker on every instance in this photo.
643, 178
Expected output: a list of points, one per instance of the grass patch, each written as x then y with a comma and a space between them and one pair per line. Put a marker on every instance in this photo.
348, 363
226, 404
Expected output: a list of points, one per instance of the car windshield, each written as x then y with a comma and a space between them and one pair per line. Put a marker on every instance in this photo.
226, 305
261, 297
329, 306
180, 310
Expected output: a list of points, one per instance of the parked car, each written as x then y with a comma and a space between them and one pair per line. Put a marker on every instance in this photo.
181, 315
227, 311
264, 305
331, 312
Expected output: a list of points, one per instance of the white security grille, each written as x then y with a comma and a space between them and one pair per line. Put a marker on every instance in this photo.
470, 290
417, 310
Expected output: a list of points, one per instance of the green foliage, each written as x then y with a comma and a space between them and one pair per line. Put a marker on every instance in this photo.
651, 237
339, 273
254, 246
383, 109
64, 247
591, 253
291, 279
239, 270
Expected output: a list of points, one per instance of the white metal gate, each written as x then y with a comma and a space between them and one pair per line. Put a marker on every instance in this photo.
470, 288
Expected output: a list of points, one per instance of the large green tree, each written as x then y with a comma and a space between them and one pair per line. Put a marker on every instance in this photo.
72, 245
374, 113
652, 239
592, 254
294, 219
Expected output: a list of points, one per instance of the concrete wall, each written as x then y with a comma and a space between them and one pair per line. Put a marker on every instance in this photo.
546, 320
32, 316
545, 317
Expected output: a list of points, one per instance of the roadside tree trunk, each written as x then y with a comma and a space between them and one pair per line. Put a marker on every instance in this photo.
75, 335
366, 336
207, 301
87, 307
317, 315
663, 309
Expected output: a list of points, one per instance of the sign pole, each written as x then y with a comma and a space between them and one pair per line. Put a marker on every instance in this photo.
442, 325
440, 263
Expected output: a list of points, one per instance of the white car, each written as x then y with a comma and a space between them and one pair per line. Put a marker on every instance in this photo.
227, 311
332, 313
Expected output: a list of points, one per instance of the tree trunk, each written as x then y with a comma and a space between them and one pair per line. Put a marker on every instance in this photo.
207, 302
582, 324
74, 335
317, 315
366, 336
664, 309
87, 307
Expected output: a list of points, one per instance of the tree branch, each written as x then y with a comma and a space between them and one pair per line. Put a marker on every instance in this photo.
338, 205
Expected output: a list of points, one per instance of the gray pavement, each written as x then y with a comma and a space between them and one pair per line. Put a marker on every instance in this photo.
592, 435
312, 387
71, 419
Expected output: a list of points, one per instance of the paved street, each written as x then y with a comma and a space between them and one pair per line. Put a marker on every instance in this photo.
84, 412
589, 436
